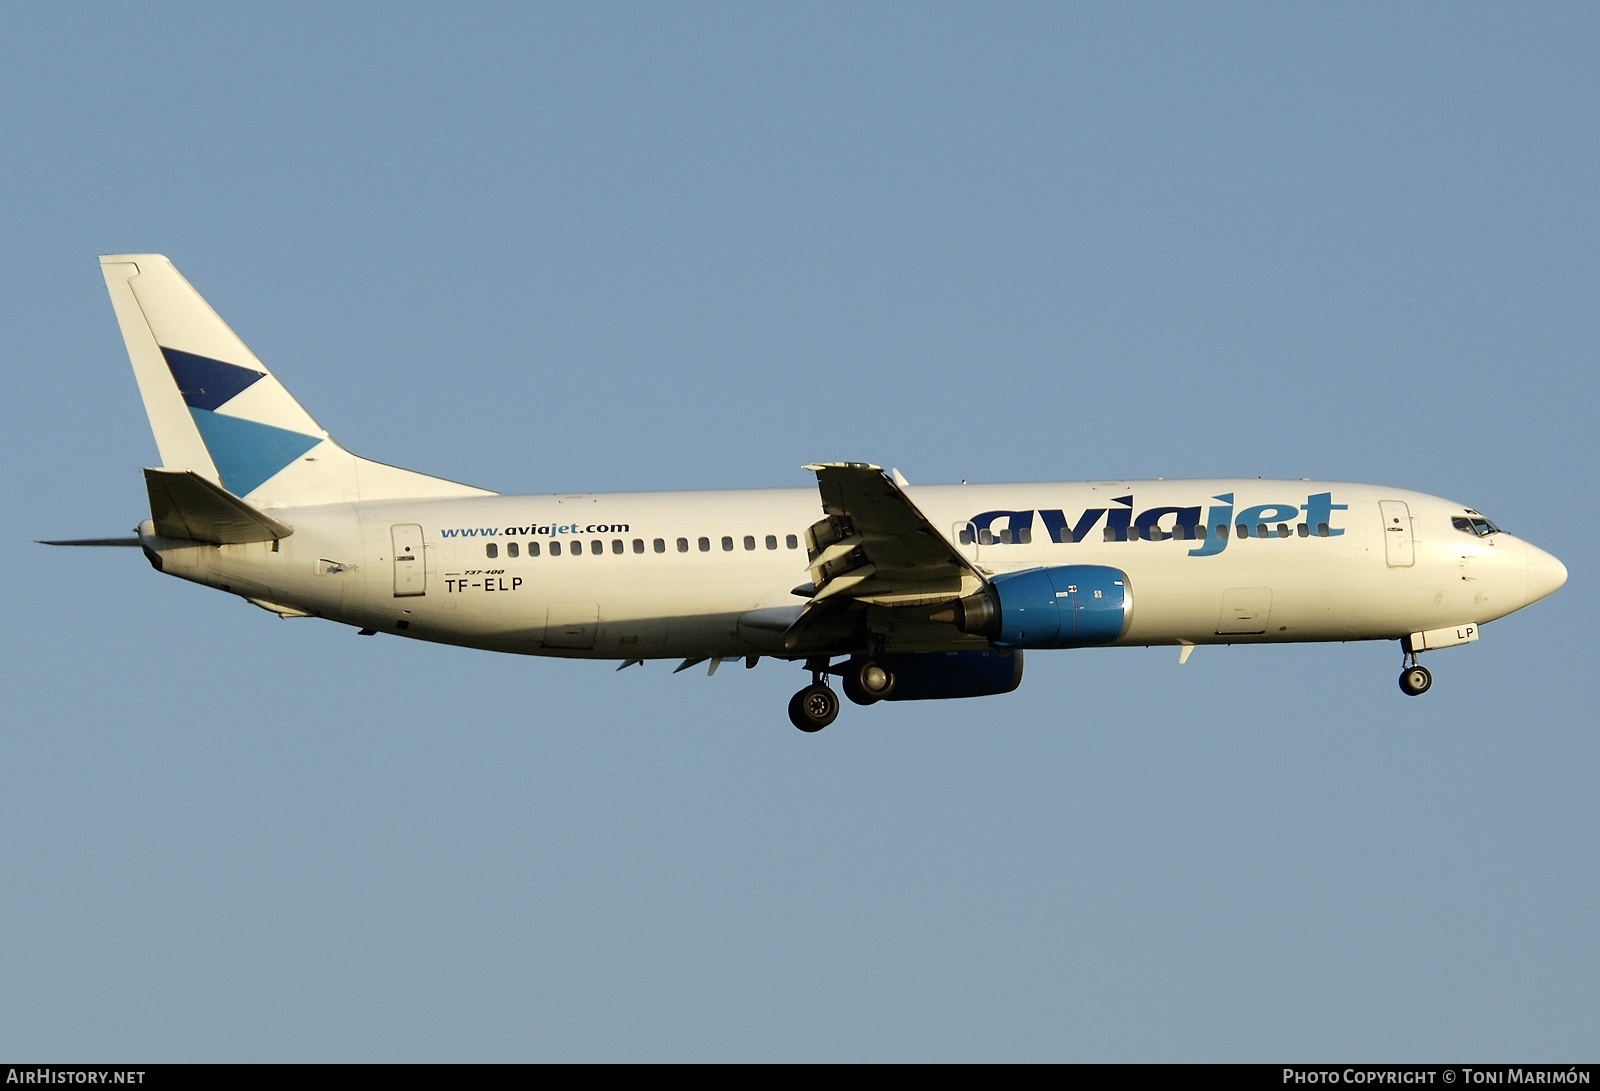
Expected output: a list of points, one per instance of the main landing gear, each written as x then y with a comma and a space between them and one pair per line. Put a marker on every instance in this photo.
814, 707
1416, 679
866, 681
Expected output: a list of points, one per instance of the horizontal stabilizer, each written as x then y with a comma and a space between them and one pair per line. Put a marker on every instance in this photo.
185, 505
91, 542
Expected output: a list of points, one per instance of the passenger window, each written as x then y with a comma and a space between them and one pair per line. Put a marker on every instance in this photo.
792, 542
533, 549
1222, 532
1242, 530
1261, 531
1064, 536
1199, 534
597, 547
491, 551
555, 549
1302, 530
965, 537
772, 541
705, 545
1322, 530
727, 544
577, 547
511, 549
638, 545
683, 545
985, 537
749, 541
1283, 530
1109, 534
617, 546
659, 544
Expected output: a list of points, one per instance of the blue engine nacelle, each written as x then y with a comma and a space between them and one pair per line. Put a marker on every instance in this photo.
938, 676
1073, 606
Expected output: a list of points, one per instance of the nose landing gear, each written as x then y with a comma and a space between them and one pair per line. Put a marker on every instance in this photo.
1416, 679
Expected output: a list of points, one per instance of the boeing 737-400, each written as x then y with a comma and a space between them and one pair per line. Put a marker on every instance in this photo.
903, 592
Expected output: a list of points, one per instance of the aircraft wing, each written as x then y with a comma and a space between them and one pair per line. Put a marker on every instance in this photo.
874, 546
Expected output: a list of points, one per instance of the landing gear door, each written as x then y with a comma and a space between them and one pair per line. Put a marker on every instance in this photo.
571, 624
1245, 611
1398, 547
410, 567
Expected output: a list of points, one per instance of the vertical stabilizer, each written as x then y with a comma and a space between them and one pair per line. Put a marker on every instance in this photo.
218, 412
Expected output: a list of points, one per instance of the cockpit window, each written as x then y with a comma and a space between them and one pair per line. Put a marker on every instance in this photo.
1473, 523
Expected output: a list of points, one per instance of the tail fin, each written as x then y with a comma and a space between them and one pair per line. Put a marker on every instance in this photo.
217, 411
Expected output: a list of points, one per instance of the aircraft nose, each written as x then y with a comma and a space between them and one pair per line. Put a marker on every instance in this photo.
1545, 573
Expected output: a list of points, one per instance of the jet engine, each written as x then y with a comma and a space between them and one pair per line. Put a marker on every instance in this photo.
938, 676
1072, 606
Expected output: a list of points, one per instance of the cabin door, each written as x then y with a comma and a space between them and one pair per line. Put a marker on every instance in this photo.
410, 567
1398, 547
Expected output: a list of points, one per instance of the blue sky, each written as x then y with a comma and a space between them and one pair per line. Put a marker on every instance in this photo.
602, 247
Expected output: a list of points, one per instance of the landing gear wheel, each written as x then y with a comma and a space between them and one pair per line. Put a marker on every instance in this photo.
814, 707
1415, 681
867, 682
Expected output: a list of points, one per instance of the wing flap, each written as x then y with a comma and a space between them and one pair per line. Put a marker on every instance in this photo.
873, 545
872, 548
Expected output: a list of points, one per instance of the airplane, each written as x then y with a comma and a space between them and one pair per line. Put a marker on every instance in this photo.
902, 592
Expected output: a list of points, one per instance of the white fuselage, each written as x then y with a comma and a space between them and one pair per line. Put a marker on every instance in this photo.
931, 593
701, 574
